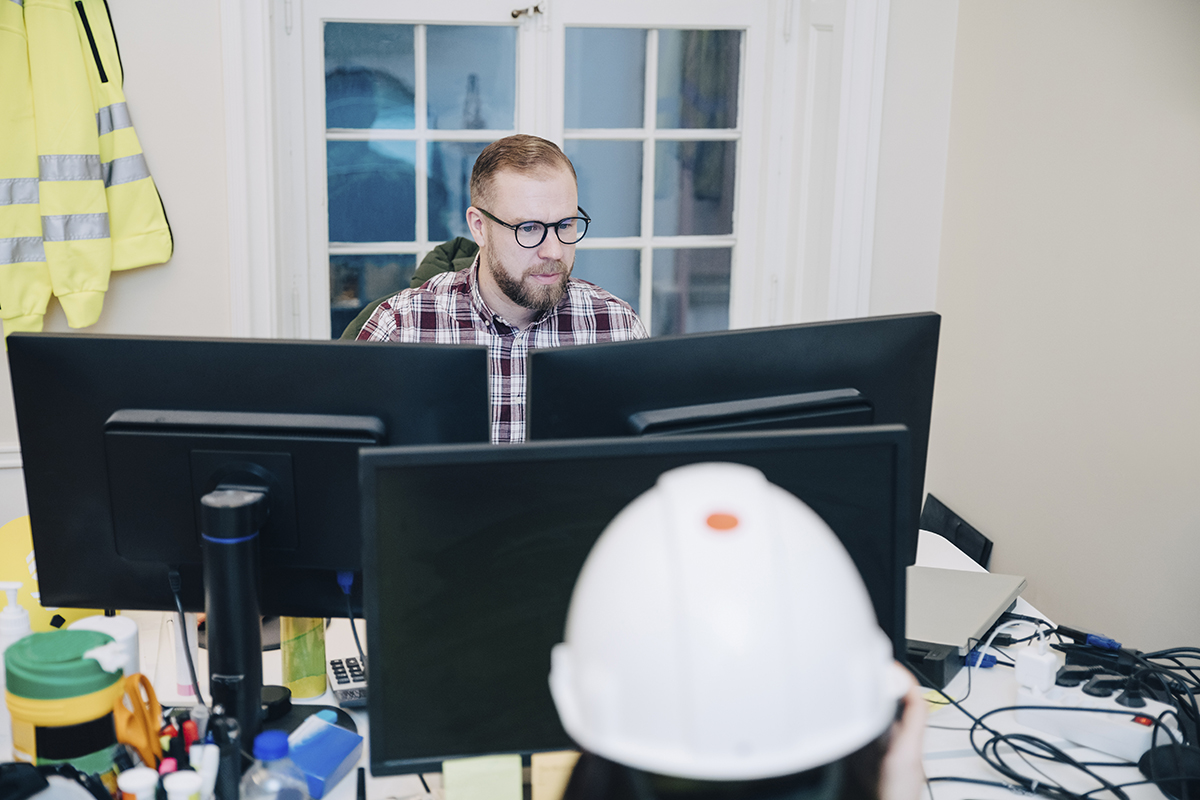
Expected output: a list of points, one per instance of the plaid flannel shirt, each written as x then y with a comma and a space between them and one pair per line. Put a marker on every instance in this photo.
449, 309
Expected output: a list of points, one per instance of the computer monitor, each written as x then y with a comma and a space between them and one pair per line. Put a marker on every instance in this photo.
121, 435
471, 553
877, 370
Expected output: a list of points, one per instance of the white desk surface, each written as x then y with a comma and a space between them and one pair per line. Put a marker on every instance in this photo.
948, 751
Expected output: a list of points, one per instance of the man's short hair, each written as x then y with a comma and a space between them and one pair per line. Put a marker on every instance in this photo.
521, 153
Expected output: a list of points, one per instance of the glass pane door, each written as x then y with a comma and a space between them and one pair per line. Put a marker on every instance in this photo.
407, 110
651, 122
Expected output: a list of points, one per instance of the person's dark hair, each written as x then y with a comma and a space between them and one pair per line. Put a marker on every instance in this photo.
856, 777
520, 153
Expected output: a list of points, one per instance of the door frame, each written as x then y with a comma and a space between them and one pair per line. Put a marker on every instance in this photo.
263, 184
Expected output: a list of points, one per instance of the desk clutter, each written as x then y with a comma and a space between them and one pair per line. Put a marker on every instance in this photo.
238, 491
1134, 712
72, 710
1076, 689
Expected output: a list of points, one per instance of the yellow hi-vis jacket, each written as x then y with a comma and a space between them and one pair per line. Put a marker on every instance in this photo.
76, 198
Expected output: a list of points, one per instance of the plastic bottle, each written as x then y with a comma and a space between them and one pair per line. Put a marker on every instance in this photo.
273, 776
14, 625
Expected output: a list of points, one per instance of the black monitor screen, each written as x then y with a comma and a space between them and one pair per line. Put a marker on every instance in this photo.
121, 436
871, 371
471, 553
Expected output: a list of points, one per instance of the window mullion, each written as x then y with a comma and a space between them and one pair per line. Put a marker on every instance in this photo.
650, 121
420, 116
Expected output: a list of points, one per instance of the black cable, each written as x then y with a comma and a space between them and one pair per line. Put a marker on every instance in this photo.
950, 700
1184, 705
1182, 780
946, 727
1176, 681
1179, 665
1119, 785
1027, 745
1012, 787
176, 586
1009, 615
362, 657
1191, 652
424, 784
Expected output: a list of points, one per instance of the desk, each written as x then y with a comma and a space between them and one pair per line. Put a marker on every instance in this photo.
949, 752
156, 632
947, 747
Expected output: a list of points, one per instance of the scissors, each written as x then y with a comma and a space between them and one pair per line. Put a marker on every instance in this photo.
138, 717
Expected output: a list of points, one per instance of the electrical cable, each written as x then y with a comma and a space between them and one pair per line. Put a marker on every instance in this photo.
345, 579
1119, 785
950, 700
362, 657
1175, 680
946, 727
977, 781
176, 582
1027, 745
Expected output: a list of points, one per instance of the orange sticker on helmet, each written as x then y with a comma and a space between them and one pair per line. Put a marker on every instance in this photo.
722, 522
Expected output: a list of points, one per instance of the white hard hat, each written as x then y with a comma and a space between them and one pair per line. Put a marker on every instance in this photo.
720, 631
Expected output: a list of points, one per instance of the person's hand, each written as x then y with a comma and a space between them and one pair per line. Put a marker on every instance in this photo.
902, 774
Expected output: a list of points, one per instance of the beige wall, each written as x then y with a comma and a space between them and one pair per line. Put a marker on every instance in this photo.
171, 53
1067, 412
912, 156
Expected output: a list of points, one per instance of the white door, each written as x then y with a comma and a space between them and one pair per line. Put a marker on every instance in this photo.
399, 98
714, 143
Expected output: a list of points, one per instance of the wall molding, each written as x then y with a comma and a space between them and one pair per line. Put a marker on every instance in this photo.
864, 61
250, 173
10, 456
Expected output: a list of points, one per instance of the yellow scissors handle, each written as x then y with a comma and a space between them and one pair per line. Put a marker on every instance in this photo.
138, 718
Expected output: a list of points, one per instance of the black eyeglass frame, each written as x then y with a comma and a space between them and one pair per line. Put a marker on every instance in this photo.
546, 226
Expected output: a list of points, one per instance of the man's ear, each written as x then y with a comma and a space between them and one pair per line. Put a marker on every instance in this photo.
476, 223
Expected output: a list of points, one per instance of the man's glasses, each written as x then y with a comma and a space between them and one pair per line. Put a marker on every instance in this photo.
531, 234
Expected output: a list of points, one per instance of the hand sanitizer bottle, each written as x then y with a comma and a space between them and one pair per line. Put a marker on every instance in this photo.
14, 625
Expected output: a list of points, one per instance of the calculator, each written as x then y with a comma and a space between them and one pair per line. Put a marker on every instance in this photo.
348, 680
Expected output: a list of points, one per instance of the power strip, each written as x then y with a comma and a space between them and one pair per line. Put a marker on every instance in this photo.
1118, 730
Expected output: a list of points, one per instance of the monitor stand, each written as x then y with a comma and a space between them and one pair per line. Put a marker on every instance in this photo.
231, 519
270, 634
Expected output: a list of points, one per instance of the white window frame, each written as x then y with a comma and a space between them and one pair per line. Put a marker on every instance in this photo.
268, 177
752, 19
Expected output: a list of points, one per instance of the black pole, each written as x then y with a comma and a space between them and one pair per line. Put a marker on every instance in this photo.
230, 520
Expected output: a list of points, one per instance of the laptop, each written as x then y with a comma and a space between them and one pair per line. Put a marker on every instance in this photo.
955, 608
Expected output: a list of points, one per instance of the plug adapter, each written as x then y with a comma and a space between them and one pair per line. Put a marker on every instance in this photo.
1036, 666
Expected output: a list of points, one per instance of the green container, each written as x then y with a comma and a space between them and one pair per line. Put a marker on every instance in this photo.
62, 703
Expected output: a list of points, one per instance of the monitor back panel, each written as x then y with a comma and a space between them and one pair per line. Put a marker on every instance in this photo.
66, 388
597, 390
471, 554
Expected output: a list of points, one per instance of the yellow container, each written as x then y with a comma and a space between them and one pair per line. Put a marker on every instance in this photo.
302, 646
61, 703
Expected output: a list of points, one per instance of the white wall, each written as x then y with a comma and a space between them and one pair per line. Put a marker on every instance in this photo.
1067, 413
912, 155
171, 53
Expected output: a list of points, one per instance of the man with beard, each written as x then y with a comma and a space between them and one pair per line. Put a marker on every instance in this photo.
519, 293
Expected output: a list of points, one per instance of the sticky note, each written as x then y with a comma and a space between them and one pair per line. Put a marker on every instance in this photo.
482, 778
935, 701
549, 773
